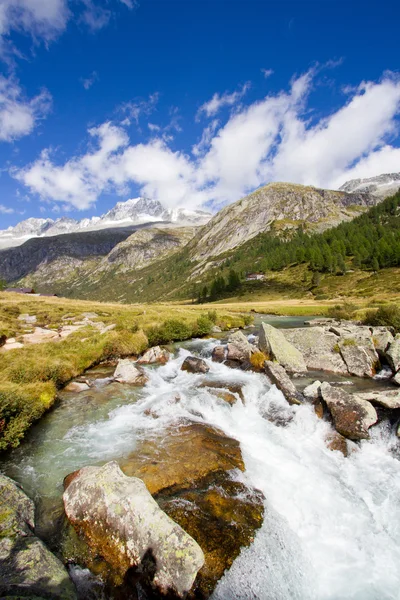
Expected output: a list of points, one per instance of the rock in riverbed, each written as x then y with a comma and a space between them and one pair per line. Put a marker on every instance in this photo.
195, 365
153, 356
27, 567
274, 344
277, 374
239, 349
122, 523
352, 416
126, 372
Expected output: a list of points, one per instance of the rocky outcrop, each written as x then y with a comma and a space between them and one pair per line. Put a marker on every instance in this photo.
191, 364
126, 372
272, 342
382, 338
153, 356
352, 416
239, 349
278, 376
319, 348
27, 567
121, 522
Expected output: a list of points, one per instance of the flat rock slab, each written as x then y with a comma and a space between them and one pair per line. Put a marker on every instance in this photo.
319, 348
352, 416
121, 522
272, 342
278, 376
387, 398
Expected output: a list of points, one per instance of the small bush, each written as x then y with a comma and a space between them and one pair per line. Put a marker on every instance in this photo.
248, 319
345, 311
124, 343
213, 316
258, 359
203, 326
170, 331
348, 342
387, 316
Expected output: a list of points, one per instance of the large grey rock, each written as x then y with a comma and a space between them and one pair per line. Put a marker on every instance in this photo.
357, 360
27, 567
382, 338
311, 392
121, 521
154, 355
352, 416
393, 354
192, 364
239, 347
357, 335
386, 398
273, 342
277, 374
319, 348
218, 354
126, 372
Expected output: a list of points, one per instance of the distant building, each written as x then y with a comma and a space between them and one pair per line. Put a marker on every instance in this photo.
255, 277
20, 290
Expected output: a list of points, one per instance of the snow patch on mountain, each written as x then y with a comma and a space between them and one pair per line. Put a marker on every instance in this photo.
381, 186
135, 211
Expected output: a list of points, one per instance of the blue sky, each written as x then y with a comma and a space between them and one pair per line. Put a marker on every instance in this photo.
192, 102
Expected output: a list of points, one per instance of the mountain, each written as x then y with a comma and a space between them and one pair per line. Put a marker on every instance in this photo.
280, 207
157, 261
136, 211
381, 186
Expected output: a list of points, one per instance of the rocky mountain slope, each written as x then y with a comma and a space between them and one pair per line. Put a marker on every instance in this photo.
124, 214
381, 186
279, 207
156, 261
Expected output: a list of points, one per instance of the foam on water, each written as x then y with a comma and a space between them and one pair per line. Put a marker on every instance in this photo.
332, 525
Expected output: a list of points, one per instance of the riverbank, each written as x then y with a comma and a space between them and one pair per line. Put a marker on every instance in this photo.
46, 342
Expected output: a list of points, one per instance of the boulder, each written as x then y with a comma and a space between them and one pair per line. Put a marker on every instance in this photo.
195, 365
273, 343
337, 442
126, 372
234, 388
311, 392
382, 338
393, 354
218, 354
357, 335
76, 386
387, 398
216, 329
121, 522
278, 376
239, 348
153, 356
319, 348
352, 416
190, 473
27, 567
357, 360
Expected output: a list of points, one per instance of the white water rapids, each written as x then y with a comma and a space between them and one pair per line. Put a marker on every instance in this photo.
332, 524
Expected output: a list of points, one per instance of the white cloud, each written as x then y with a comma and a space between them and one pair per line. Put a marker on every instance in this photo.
134, 110
269, 140
47, 19
18, 116
4, 210
218, 101
267, 72
87, 83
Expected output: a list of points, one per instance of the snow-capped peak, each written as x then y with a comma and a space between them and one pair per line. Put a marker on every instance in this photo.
380, 185
135, 211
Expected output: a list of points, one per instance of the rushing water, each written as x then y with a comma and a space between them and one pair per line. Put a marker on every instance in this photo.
332, 524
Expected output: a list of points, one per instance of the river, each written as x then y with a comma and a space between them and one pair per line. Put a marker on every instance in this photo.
332, 524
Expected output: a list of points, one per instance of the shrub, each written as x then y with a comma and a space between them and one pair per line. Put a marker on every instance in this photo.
203, 325
344, 311
388, 316
212, 315
170, 331
248, 319
258, 359
348, 342
124, 343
